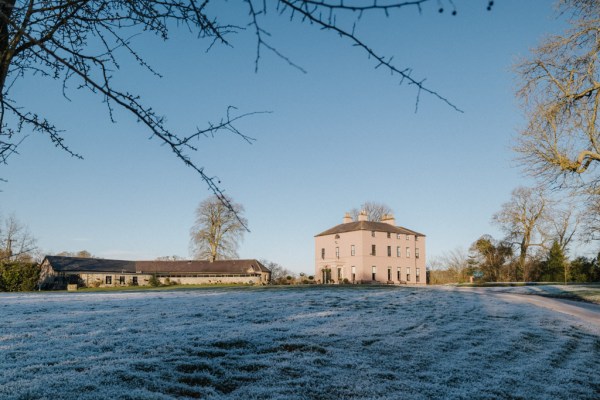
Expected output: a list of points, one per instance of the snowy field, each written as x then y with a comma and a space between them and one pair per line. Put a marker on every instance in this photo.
293, 343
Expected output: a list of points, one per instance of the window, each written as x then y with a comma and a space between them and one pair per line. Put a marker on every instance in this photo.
339, 276
407, 277
417, 274
418, 278
407, 237
408, 252
372, 233
337, 236
352, 250
373, 272
323, 254
389, 251
398, 274
337, 252
389, 273
121, 280
398, 251
134, 281
416, 238
416, 253
373, 250
108, 280
389, 235
353, 274
398, 236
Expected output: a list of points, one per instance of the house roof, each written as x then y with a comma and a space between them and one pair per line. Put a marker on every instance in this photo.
78, 264
368, 226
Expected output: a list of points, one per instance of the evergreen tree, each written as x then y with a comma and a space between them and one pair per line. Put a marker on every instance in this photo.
556, 267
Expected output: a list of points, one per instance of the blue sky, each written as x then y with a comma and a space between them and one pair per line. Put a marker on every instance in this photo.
341, 134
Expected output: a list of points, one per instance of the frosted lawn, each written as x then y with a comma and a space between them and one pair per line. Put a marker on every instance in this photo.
329, 343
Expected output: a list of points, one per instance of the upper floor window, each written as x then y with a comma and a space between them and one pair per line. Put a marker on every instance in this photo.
389, 235
337, 236
389, 251
408, 252
373, 250
352, 250
416, 253
372, 233
407, 237
417, 271
398, 236
323, 253
398, 251
337, 252
416, 238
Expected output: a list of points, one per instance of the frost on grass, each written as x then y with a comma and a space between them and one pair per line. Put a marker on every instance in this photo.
326, 343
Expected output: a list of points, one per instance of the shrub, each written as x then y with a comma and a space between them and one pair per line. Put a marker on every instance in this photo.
154, 281
19, 276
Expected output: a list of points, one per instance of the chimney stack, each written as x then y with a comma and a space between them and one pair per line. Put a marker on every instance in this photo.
347, 218
389, 219
363, 216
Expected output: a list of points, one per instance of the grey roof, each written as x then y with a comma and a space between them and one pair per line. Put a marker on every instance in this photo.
78, 264
368, 226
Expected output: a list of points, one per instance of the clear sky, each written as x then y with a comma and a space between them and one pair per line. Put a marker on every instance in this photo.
339, 135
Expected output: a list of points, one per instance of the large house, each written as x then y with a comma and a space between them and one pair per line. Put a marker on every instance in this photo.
370, 252
57, 272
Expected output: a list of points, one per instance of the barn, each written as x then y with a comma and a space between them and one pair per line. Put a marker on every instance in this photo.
58, 271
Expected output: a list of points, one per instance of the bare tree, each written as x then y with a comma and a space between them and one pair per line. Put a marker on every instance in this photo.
16, 242
523, 220
81, 44
80, 254
375, 211
560, 93
563, 224
278, 272
170, 258
218, 229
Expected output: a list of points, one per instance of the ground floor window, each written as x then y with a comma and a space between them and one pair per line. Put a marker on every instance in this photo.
373, 273
121, 280
339, 275
398, 274
134, 280
389, 274
353, 274
108, 280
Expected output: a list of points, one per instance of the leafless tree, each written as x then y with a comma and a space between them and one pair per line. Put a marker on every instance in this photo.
278, 272
81, 44
560, 94
563, 224
375, 211
218, 229
170, 258
523, 219
80, 254
16, 242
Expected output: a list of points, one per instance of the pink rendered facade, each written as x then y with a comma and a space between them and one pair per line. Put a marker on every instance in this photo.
365, 252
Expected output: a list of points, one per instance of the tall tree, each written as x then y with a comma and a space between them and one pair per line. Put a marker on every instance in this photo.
218, 229
560, 93
523, 221
16, 242
375, 211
